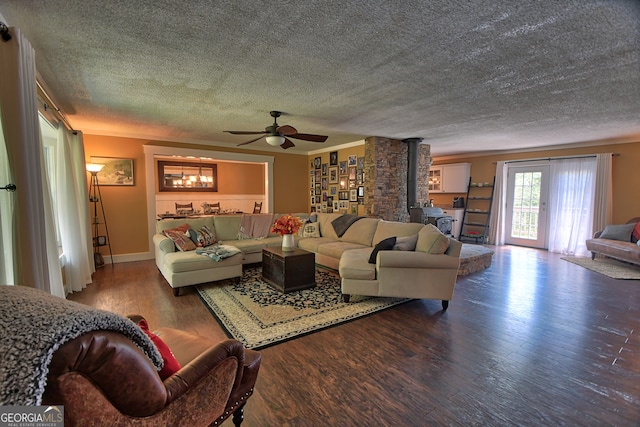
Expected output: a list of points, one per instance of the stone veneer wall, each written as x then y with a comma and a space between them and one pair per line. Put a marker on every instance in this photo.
385, 168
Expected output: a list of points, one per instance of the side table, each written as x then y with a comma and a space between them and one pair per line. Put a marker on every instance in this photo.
289, 271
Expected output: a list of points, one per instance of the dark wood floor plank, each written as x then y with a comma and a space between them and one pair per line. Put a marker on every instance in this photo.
531, 341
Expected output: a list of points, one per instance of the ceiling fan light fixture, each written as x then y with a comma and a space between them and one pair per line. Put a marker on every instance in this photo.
275, 140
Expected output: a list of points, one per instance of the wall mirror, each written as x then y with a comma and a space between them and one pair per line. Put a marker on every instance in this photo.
187, 176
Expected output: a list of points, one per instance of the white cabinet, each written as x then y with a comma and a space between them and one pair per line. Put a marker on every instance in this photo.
451, 178
456, 215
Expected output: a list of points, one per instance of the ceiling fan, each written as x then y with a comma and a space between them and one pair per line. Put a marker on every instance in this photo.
279, 135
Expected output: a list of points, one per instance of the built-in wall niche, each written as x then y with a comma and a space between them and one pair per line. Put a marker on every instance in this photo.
187, 176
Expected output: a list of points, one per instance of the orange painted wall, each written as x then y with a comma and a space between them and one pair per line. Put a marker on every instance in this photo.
626, 177
126, 209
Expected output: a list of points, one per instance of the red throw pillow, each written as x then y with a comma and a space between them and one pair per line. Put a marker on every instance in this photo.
171, 364
635, 234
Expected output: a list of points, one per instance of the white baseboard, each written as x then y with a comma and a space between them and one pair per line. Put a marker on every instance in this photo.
141, 256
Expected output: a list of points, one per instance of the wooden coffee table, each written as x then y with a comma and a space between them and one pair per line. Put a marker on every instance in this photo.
289, 271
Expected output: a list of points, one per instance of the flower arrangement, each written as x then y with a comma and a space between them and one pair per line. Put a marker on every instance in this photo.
286, 224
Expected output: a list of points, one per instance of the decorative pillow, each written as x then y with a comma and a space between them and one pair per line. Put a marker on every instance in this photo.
431, 240
203, 236
181, 238
311, 229
171, 364
635, 234
384, 245
406, 243
618, 232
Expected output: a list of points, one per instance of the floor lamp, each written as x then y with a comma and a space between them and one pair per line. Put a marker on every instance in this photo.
95, 197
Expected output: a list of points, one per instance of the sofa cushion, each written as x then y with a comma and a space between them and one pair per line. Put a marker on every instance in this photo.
326, 229
171, 364
203, 236
181, 239
361, 231
407, 243
635, 234
336, 249
431, 240
227, 227
180, 262
354, 264
312, 244
311, 229
247, 246
384, 245
398, 229
620, 232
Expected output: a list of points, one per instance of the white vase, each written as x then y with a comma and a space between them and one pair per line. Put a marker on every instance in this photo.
288, 242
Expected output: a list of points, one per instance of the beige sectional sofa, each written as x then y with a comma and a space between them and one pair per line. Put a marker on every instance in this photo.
412, 273
186, 268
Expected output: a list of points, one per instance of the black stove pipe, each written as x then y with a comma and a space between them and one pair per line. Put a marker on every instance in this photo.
412, 171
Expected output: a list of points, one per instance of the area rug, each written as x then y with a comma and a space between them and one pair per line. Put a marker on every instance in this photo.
257, 315
609, 267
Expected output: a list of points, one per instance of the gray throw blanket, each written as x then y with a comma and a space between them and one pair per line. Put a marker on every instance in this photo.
218, 252
34, 324
343, 222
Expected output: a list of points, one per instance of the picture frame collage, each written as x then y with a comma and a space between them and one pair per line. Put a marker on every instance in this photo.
337, 186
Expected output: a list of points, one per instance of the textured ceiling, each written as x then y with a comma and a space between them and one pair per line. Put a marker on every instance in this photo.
466, 76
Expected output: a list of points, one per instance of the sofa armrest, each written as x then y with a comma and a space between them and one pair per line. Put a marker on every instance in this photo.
183, 380
410, 259
164, 243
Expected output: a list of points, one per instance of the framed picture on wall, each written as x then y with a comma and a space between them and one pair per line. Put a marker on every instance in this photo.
353, 195
353, 160
333, 158
116, 170
316, 162
343, 167
333, 175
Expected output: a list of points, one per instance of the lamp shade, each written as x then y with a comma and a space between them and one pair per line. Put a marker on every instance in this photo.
94, 167
275, 140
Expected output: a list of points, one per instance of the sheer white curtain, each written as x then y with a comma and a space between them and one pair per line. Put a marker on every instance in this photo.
35, 251
8, 260
603, 204
571, 201
72, 198
498, 206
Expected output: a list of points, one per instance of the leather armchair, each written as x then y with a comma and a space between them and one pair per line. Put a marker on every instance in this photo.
103, 378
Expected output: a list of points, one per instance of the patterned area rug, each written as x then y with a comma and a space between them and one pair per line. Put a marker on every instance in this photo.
259, 316
609, 267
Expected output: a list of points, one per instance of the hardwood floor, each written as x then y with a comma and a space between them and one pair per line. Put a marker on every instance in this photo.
531, 341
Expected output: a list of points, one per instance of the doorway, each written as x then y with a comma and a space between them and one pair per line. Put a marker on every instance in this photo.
527, 202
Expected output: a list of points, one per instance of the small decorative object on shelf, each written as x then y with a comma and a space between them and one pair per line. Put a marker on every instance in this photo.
286, 226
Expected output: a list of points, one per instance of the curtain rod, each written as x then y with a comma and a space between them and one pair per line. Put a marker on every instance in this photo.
540, 159
49, 103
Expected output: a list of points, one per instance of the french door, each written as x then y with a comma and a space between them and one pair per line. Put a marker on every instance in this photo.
527, 202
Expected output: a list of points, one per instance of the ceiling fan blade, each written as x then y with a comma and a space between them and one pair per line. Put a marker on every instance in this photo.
309, 137
286, 130
249, 142
244, 132
287, 144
